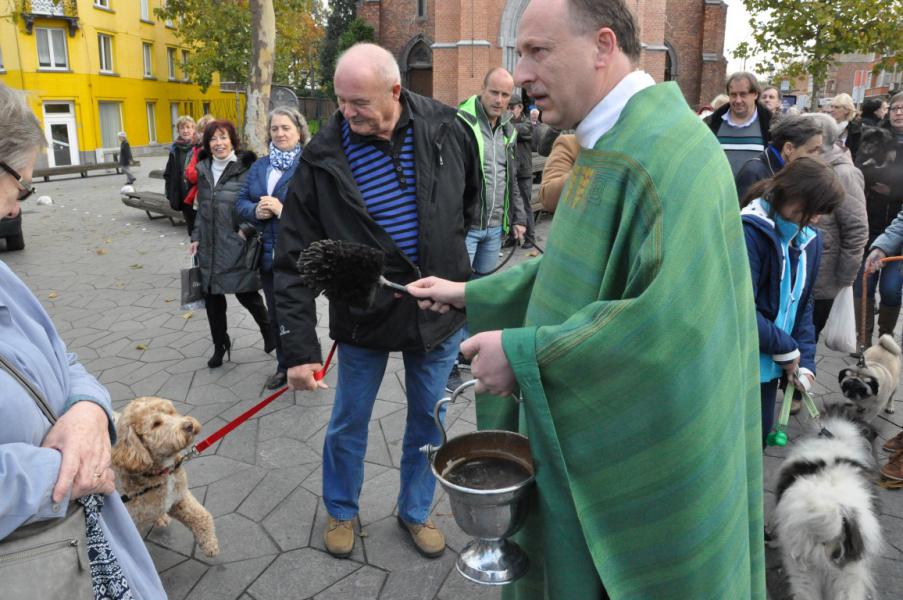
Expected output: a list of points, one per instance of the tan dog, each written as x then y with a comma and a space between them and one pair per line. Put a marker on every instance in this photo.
150, 436
870, 386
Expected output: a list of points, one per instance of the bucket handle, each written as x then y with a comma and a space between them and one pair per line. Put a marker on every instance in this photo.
429, 450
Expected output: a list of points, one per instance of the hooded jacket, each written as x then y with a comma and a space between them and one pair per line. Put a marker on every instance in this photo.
323, 201
221, 252
766, 263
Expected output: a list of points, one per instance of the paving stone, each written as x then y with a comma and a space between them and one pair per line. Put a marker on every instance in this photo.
224, 496
366, 582
290, 524
240, 444
285, 452
229, 580
207, 469
300, 574
239, 539
390, 547
275, 486
456, 587
179, 580
418, 579
164, 558
378, 496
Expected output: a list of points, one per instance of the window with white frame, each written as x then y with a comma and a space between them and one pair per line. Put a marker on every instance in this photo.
147, 51
145, 10
184, 65
102, 4
105, 48
51, 48
171, 63
151, 122
110, 123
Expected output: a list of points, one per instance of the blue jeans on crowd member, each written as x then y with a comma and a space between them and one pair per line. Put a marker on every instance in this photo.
360, 374
889, 284
266, 278
483, 246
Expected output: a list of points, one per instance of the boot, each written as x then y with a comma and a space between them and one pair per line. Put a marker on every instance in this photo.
869, 319
218, 351
262, 318
887, 319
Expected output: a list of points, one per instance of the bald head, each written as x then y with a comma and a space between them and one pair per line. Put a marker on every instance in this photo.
498, 85
369, 60
368, 90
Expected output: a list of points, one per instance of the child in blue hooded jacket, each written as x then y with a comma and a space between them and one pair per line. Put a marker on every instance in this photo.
784, 252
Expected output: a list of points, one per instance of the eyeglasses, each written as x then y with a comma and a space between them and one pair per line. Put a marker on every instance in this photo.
896, 108
25, 187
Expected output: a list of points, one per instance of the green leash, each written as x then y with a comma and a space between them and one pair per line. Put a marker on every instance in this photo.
778, 437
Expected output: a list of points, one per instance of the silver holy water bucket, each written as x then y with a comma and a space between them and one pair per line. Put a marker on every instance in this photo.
486, 475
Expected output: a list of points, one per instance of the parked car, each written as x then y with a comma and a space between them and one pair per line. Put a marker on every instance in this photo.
11, 229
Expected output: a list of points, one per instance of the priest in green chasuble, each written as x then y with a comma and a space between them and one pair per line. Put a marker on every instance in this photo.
632, 340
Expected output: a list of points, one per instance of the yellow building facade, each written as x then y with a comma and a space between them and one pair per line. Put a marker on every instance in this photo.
93, 68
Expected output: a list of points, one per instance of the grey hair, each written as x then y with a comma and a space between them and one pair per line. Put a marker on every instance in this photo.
829, 128
796, 129
185, 119
382, 60
295, 116
20, 132
121, 134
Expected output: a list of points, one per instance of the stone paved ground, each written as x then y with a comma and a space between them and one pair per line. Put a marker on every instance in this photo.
110, 279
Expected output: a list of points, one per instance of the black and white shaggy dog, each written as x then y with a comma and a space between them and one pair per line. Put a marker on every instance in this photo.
825, 519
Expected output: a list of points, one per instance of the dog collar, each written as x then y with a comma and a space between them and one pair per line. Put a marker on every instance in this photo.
129, 497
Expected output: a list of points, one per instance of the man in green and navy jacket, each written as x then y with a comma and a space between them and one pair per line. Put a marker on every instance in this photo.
487, 118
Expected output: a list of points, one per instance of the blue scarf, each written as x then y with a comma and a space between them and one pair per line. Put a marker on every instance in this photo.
283, 160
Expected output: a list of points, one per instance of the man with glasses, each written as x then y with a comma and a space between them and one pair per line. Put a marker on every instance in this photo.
11, 222
742, 125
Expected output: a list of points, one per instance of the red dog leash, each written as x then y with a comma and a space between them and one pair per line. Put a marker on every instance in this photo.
220, 433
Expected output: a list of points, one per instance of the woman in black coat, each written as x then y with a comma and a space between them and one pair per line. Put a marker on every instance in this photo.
221, 251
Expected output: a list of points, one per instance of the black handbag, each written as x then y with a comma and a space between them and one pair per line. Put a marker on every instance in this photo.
46, 559
253, 249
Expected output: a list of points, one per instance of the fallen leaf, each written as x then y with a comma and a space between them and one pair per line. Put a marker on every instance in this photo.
534, 253
119, 284
363, 534
52, 295
101, 251
140, 347
168, 299
108, 241
136, 266
188, 315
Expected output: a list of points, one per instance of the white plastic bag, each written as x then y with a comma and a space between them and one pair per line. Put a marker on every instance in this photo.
840, 330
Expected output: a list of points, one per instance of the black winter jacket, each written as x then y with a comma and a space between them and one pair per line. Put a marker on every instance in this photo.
883, 208
715, 120
324, 202
221, 252
176, 188
756, 169
524, 130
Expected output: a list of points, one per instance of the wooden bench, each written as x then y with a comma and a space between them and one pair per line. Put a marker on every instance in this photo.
155, 205
49, 172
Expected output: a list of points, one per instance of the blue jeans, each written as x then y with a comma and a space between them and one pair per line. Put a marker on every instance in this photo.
889, 284
483, 246
360, 373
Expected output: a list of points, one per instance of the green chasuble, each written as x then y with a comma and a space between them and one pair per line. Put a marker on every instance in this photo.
634, 343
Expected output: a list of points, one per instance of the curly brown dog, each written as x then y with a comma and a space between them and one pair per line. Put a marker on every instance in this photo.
150, 436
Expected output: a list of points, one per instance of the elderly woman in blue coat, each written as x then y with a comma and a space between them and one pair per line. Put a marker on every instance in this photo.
49, 470
260, 202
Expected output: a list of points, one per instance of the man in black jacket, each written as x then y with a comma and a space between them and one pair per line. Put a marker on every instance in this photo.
741, 125
398, 172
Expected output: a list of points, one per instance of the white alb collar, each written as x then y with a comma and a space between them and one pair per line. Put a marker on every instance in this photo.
607, 112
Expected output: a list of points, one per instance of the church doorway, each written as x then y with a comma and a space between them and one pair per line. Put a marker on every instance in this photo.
417, 66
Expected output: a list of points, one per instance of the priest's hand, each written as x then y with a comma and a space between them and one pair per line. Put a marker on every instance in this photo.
301, 377
489, 365
437, 295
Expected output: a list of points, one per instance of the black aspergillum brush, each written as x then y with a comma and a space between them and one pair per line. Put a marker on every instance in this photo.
345, 271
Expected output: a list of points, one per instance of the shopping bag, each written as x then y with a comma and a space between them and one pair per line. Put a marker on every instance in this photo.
192, 289
840, 329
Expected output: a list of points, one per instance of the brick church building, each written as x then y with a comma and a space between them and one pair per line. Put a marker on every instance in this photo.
445, 47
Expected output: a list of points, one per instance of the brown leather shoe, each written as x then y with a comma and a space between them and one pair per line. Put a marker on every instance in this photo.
339, 537
894, 467
427, 538
894, 444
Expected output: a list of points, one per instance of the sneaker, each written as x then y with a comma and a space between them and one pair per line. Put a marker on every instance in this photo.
339, 537
894, 467
894, 444
426, 537
276, 380
454, 380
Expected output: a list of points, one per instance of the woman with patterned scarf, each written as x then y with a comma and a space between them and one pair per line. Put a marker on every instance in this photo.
260, 202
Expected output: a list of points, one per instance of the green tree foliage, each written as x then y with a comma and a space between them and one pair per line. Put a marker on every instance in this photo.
358, 31
342, 13
219, 35
797, 37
